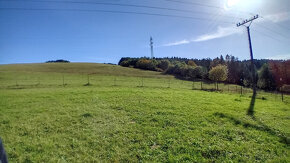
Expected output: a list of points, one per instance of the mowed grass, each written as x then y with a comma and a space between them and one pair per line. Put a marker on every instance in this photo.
43, 121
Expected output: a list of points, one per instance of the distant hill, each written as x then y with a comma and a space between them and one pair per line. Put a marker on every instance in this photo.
80, 68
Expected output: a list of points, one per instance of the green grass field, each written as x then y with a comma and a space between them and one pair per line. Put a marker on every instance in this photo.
47, 114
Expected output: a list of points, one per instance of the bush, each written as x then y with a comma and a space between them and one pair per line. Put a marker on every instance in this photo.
147, 64
195, 72
164, 64
125, 63
128, 62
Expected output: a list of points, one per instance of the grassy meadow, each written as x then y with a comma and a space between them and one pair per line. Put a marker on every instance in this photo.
49, 113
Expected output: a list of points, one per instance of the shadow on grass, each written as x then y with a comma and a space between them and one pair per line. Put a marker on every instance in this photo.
251, 111
260, 126
88, 84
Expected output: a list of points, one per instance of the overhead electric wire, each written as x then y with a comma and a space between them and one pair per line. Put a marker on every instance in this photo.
194, 3
211, 28
273, 31
137, 13
202, 5
212, 6
113, 11
120, 4
269, 36
278, 25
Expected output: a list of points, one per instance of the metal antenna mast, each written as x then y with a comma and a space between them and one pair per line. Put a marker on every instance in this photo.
250, 46
151, 45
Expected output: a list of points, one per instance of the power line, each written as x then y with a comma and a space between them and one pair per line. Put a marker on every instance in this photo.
133, 5
194, 3
203, 5
269, 36
121, 4
114, 11
278, 25
217, 7
273, 31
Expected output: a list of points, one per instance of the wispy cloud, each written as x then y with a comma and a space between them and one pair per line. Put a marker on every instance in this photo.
230, 30
177, 43
278, 17
219, 33
280, 57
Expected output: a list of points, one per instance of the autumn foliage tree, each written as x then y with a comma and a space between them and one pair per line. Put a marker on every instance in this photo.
266, 80
218, 73
191, 63
281, 72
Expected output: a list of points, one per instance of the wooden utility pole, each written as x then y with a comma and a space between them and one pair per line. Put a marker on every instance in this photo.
251, 51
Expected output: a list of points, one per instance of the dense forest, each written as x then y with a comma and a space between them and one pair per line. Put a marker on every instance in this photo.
269, 74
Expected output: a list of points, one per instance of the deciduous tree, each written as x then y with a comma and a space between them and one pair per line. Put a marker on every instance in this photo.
218, 73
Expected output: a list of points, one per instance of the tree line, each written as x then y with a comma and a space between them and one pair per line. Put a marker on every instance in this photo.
58, 61
269, 74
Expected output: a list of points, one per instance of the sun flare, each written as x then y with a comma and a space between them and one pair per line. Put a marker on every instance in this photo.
231, 3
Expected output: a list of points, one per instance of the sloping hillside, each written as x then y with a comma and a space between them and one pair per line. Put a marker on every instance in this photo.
79, 68
49, 113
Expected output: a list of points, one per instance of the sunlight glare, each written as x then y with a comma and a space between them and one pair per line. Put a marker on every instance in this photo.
231, 3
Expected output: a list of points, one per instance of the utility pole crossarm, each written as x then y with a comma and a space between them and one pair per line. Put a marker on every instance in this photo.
251, 51
247, 21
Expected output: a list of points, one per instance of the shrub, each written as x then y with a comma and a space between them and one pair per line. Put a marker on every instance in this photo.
195, 72
164, 64
125, 63
147, 64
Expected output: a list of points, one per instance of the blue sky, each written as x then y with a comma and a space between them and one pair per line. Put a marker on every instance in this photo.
29, 36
